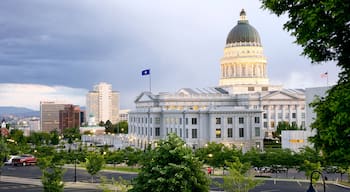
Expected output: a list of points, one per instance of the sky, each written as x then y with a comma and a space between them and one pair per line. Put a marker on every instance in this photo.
59, 49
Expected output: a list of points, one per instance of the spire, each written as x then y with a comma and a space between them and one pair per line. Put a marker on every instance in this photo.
243, 17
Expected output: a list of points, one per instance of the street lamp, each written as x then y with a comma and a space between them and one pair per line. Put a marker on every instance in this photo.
75, 170
311, 188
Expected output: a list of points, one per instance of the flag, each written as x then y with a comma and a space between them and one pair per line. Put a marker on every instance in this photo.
324, 75
146, 72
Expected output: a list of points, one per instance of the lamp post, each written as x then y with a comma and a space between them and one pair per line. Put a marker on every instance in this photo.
75, 170
311, 188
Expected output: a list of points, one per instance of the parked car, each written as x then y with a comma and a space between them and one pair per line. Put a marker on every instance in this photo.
24, 160
9, 160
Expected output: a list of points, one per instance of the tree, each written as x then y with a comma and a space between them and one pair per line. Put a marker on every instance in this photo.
238, 179
71, 134
121, 127
171, 166
94, 163
51, 165
109, 127
54, 137
322, 29
3, 152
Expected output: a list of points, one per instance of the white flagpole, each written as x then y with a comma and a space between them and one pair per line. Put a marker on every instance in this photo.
150, 84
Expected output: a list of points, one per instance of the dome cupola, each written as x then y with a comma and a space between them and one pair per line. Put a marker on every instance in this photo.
243, 34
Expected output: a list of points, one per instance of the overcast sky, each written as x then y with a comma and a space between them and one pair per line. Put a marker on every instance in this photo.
59, 49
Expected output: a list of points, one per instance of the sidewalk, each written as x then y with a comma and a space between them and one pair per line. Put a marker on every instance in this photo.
37, 182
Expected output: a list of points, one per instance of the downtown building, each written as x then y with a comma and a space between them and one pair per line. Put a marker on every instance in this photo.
58, 116
103, 103
242, 110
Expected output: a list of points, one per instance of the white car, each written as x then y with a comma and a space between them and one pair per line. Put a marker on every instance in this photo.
9, 161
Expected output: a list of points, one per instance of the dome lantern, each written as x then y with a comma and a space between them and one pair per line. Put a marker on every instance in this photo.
243, 34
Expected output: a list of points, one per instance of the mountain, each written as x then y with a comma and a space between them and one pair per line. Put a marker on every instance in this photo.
18, 111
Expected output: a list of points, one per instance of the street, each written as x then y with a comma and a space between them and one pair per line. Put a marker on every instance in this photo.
33, 172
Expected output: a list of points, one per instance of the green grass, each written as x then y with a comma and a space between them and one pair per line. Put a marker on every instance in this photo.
121, 168
344, 183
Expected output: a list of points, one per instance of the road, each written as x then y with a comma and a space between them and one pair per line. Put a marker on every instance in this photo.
33, 172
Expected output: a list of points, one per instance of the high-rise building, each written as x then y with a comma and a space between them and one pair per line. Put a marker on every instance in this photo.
58, 116
69, 117
103, 103
242, 110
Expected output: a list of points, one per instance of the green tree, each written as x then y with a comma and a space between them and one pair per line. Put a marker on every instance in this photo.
239, 179
54, 137
309, 167
171, 166
94, 162
322, 29
51, 165
71, 134
121, 127
108, 127
3, 152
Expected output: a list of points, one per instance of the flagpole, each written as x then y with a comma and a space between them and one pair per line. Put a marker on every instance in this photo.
150, 83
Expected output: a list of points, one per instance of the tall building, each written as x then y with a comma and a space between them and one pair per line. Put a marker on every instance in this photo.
103, 103
69, 117
58, 116
242, 110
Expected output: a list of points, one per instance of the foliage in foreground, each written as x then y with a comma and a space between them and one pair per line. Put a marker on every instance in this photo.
171, 167
50, 165
322, 29
94, 163
239, 179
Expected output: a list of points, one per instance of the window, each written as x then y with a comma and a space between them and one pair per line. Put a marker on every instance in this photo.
250, 88
194, 133
186, 121
150, 131
294, 124
241, 120
229, 133
265, 124
186, 133
257, 131
180, 132
265, 107
272, 124
157, 131
287, 115
218, 121
241, 132
294, 115
264, 89
194, 121
157, 120
257, 120
150, 120
180, 121
229, 120
218, 133
265, 115
280, 115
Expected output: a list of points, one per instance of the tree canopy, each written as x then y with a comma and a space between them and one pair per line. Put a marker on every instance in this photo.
171, 167
322, 28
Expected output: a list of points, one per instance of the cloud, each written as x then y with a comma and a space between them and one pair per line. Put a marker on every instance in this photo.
82, 42
30, 95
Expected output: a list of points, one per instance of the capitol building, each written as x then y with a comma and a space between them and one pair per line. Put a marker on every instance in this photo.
241, 110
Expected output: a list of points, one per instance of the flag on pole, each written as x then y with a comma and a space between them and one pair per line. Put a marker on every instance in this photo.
146, 72
324, 75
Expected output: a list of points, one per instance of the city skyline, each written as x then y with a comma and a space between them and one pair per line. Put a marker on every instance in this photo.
58, 50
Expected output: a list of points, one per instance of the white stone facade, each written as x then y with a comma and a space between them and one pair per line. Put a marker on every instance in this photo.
198, 118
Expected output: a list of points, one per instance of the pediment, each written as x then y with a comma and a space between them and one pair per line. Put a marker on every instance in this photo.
280, 95
144, 97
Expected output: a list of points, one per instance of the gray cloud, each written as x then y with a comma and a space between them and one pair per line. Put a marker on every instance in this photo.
82, 42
